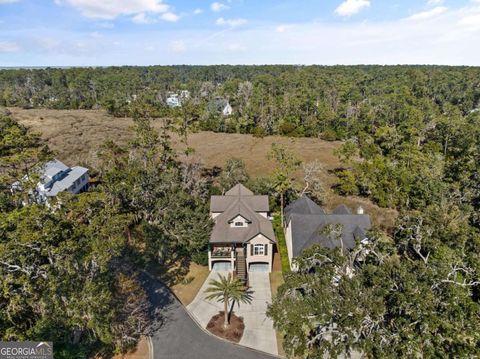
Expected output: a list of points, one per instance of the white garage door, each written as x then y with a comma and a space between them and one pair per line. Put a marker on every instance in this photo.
222, 266
258, 267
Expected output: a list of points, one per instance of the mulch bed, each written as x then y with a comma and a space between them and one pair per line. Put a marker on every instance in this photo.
233, 333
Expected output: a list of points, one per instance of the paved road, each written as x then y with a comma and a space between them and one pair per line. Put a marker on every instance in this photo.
177, 336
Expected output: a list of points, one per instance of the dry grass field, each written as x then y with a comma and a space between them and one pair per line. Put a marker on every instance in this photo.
76, 135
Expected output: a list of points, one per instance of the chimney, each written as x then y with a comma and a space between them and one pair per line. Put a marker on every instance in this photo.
360, 210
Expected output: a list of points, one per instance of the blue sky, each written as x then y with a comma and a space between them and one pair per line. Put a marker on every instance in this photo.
147, 32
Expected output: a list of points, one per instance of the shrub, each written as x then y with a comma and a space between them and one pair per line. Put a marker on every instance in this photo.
346, 183
329, 135
200, 257
259, 132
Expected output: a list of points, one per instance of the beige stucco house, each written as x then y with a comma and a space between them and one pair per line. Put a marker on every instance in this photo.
242, 239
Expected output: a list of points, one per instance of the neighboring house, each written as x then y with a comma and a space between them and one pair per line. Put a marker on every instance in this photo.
220, 105
307, 224
56, 177
242, 239
184, 94
173, 100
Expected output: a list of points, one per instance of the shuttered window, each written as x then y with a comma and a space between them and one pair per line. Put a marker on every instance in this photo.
258, 249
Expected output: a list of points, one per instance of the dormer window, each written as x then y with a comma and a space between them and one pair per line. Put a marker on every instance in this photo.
238, 224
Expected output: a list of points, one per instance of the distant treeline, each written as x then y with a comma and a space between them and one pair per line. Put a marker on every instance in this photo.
335, 102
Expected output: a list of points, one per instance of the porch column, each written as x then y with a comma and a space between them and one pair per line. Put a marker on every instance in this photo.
232, 257
209, 257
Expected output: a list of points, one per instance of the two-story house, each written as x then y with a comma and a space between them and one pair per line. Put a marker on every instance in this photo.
56, 177
307, 224
242, 239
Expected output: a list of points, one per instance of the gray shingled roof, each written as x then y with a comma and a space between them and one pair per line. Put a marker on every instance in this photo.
342, 209
308, 230
256, 203
303, 205
308, 222
239, 190
238, 204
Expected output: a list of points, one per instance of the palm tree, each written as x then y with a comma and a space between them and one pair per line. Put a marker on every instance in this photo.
226, 288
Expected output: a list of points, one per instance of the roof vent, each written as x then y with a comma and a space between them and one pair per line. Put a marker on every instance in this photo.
360, 210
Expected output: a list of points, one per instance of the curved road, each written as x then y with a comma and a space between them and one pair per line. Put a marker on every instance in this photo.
177, 336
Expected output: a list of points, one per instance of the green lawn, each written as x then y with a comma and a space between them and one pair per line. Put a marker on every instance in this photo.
282, 245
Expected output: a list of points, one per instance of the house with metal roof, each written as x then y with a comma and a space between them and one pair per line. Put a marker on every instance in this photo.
307, 224
242, 239
56, 177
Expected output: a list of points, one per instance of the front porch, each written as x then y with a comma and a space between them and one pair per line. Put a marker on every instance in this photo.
228, 257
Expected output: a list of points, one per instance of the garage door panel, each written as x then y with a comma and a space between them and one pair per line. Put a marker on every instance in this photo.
222, 266
258, 267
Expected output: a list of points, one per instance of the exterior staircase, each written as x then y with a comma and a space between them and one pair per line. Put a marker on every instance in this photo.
241, 271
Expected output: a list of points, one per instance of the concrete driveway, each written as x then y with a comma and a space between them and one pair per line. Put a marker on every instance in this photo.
176, 336
259, 333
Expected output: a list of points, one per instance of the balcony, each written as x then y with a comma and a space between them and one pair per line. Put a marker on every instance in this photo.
222, 252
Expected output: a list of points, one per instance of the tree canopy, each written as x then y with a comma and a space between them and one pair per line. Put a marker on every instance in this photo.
69, 268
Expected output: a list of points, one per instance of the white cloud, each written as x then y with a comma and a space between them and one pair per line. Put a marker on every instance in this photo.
282, 28
169, 16
48, 43
445, 39
236, 47
470, 21
141, 18
9, 46
110, 9
230, 22
106, 25
424, 15
351, 7
197, 11
218, 6
178, 46
8, 1
96, 35
434, 2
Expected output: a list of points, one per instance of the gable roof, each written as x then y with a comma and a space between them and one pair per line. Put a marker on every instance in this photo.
51, 169
218, 104
239, 190
309, 230
309, 225
342, 209
61, 185
56, 177
240, 201
238, 208
303, 205
256, 203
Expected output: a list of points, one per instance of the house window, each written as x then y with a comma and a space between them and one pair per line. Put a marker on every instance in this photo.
258, 250
238, 224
